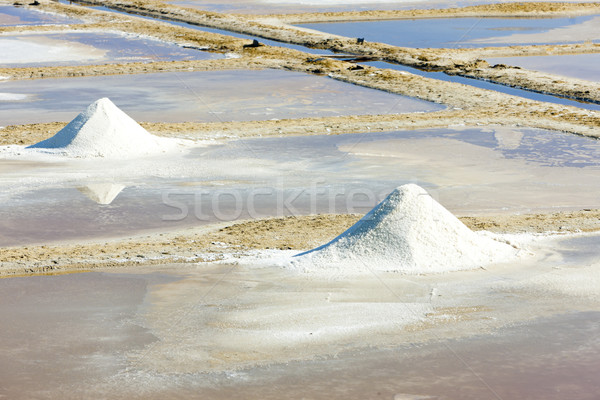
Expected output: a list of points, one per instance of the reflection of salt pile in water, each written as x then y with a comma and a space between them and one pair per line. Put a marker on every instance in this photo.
407, 232
508, 139
103, 130
102, 193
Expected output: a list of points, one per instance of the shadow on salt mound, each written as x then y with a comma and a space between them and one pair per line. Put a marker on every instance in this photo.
408, 232
102, 193
103, 130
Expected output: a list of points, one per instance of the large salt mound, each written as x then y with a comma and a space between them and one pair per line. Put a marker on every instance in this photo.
407, 232
103, 130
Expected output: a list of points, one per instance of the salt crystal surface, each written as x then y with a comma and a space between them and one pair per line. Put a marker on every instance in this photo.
103, 130
13, 96
408, 232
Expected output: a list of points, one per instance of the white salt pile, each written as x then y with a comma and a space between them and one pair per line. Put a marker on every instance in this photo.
103, 130
407, 232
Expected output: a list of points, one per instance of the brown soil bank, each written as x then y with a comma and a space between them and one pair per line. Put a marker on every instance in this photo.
205, 244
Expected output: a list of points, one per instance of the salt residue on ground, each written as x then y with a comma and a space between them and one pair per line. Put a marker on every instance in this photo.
407, 232
103, 130
13, 96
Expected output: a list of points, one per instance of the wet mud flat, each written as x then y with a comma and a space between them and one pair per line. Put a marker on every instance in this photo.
175, 330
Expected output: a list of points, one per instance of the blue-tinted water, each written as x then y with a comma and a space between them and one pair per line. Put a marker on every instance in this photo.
283, 7
13, 16
207, 96
77, 48
453, 32
537, 146
219, 31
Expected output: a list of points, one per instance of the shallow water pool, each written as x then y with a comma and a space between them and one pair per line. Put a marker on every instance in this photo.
215, 331
468, 32
500, 170
301, 6
207, 96
13, 16
80, 48
289, 6
580, 66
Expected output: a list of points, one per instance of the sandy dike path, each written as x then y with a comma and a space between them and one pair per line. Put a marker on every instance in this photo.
209, 243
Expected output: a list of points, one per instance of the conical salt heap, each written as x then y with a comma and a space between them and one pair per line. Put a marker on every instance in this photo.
407, 232
103, 130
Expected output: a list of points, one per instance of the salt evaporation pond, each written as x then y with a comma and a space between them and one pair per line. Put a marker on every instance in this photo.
301, 6
207, 96
580, 66
212, 30
13, 16
292, 6
468, 32
214, 331
512, 170
80, 48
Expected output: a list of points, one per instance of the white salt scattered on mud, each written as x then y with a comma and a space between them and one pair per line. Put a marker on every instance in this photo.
103, 130
28, 49
13, 96
408, 232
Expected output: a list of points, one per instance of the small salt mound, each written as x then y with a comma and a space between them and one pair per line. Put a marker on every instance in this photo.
103, 130
407, 232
